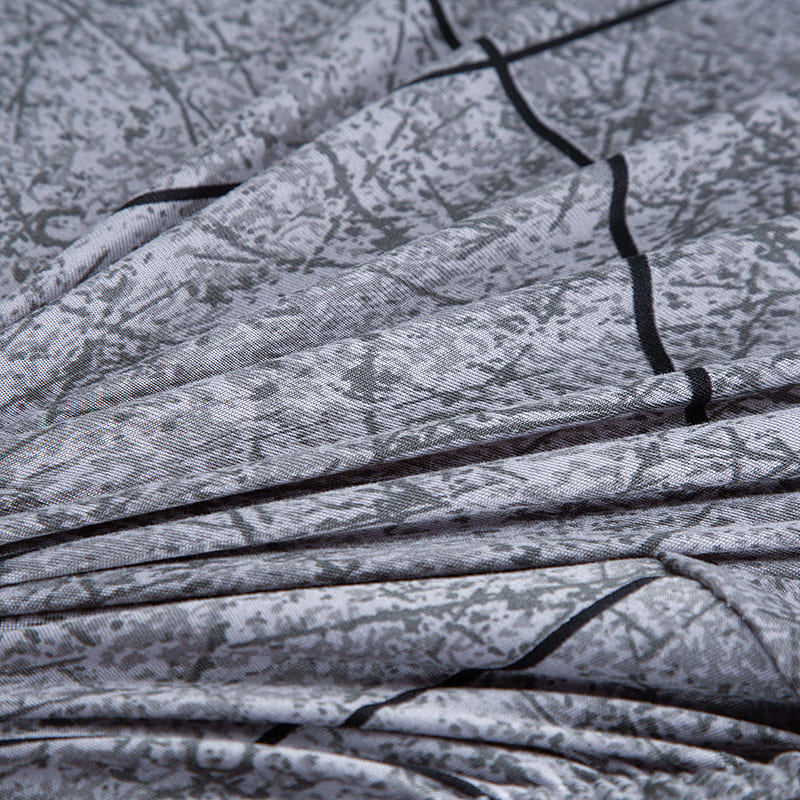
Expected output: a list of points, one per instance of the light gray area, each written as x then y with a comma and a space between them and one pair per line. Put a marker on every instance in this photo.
357, 481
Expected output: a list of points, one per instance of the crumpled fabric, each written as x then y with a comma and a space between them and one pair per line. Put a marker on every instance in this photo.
399, 399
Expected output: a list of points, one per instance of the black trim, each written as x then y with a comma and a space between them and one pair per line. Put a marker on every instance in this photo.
554, 640
700, 383
467, 677
546, 647
446, 779
549, 44
179, 194
448, 34
362, 714
645, 316
588, 30
643, 310
276, 733
533, 122
470, 66
618, 224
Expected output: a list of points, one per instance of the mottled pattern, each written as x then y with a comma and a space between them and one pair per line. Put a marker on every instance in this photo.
362, 476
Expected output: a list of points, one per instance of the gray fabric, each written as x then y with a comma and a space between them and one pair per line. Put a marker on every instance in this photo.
449, 447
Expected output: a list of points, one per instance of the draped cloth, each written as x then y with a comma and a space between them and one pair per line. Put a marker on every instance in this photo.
399, 399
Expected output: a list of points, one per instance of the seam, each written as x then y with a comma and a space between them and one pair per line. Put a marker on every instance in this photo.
549, 44
531, 120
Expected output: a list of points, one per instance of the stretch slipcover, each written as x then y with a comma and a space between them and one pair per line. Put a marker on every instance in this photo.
399, 399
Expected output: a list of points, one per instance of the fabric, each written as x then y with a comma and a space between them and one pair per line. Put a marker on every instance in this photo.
399, 400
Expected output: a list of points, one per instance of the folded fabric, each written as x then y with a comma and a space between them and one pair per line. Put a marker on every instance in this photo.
399, 399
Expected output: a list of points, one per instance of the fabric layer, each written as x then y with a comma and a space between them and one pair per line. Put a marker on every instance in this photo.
422, 423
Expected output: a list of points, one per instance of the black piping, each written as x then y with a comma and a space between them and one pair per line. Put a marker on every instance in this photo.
700, 383
276, 733
533, 122
554, 640
467, 677
448, 34
446, 779
618, 224
179, 194
645, 315
643, 310
588, 30
470, 66
549, 44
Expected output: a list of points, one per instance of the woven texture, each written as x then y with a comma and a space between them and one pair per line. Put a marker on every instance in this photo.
399, 400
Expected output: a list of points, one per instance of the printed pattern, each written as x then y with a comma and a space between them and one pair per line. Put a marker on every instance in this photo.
424, 421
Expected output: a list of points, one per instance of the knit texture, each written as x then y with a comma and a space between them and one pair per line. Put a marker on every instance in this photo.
399, 400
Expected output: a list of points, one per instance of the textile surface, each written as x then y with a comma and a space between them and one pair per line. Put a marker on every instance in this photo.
399, 399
